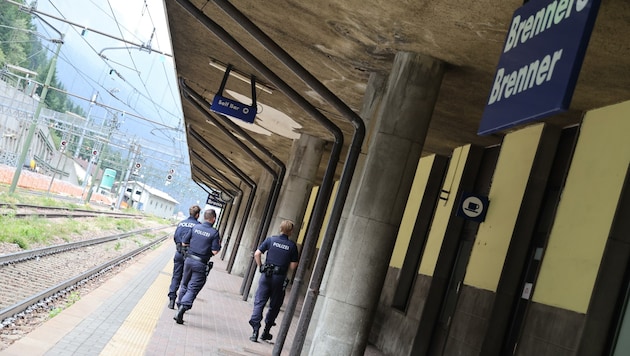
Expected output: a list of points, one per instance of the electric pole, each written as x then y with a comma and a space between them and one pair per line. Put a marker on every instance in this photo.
33, 127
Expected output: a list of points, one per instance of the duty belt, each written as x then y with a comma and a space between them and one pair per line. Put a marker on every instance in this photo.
195, 257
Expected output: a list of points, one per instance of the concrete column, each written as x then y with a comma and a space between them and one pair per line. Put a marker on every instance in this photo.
250, 234
239, 217
369, 235
304, 161
372, 100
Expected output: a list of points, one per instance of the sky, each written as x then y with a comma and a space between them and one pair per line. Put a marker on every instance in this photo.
119, 52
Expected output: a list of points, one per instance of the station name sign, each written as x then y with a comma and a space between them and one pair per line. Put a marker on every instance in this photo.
540, 64
214, 199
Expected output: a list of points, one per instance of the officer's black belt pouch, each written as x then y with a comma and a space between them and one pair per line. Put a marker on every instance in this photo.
195, 257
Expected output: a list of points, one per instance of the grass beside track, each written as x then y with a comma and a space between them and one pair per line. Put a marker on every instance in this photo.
36, 232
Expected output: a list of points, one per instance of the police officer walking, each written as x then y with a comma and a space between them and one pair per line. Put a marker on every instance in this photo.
203, 243
282, 257
184, 228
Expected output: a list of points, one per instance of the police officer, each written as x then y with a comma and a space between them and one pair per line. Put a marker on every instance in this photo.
203, 243
282, 257
184, 228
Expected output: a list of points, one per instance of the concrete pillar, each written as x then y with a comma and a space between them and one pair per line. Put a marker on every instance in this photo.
250, 234
372, 100
368, 238
304, 161
233, 233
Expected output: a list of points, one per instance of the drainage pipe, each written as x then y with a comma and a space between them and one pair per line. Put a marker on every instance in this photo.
236, 187
226, 217
344, 182
248, 207
325, 191
278, 177
236, 207
271, 200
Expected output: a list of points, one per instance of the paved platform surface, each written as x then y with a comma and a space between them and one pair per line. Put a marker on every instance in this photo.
128, 315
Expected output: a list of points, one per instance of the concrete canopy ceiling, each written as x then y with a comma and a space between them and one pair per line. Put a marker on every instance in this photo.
342, 42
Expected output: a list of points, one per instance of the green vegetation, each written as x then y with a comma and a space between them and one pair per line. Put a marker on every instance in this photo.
72, 298
38, 231
21, 46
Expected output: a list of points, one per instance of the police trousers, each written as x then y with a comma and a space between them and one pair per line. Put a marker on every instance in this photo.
270, 288
193, 280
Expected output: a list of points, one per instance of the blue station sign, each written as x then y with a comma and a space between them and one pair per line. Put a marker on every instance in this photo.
233, 108
541, 60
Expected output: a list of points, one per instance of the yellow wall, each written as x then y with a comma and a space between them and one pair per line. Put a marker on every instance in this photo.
307, 215
309, 211
411, 211
509, 181
443, 210
585, 213
322, 232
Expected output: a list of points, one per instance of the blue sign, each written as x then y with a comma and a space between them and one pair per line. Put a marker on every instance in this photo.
473, 207
541, 60
233, 108
215, 200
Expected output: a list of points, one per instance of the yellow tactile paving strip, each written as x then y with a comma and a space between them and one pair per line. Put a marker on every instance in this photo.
40, 340
133, 336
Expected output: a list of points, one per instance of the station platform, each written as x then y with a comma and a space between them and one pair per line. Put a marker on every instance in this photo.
128, 315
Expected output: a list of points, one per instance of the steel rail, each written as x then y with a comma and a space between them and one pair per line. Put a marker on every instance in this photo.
17, 257
34, 300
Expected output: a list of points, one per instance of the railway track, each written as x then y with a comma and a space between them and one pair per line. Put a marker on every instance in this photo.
33, 280
30, 210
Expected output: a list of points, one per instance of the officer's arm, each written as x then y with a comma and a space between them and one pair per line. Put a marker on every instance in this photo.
257, 255
186, 238
293, 266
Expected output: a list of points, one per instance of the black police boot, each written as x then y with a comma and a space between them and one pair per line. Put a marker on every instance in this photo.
171, 304
266, 336
179, 317
254, 336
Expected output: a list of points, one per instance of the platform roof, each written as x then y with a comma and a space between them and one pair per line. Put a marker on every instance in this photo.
342, 42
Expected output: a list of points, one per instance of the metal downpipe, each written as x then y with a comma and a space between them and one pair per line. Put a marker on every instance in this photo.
216, 184
249, 276
273, 196
226, 217
344, 183
326, 186
236, 187
248, 207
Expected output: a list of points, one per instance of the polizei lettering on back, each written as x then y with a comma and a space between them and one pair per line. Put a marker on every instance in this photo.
282, 246
187, 224
202, 233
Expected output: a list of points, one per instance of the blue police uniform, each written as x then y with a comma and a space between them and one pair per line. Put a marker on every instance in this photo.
202, 241
183, 231
280, 253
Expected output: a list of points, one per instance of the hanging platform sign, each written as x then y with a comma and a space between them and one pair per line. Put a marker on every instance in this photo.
541, 60
233, 108
214, 199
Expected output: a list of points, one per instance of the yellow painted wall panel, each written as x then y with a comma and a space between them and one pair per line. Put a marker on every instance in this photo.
443, 210
333, 196
506, 194
411, 211
307, 215
586, 210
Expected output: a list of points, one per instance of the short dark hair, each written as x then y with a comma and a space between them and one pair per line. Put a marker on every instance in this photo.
208, 214
194, 210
